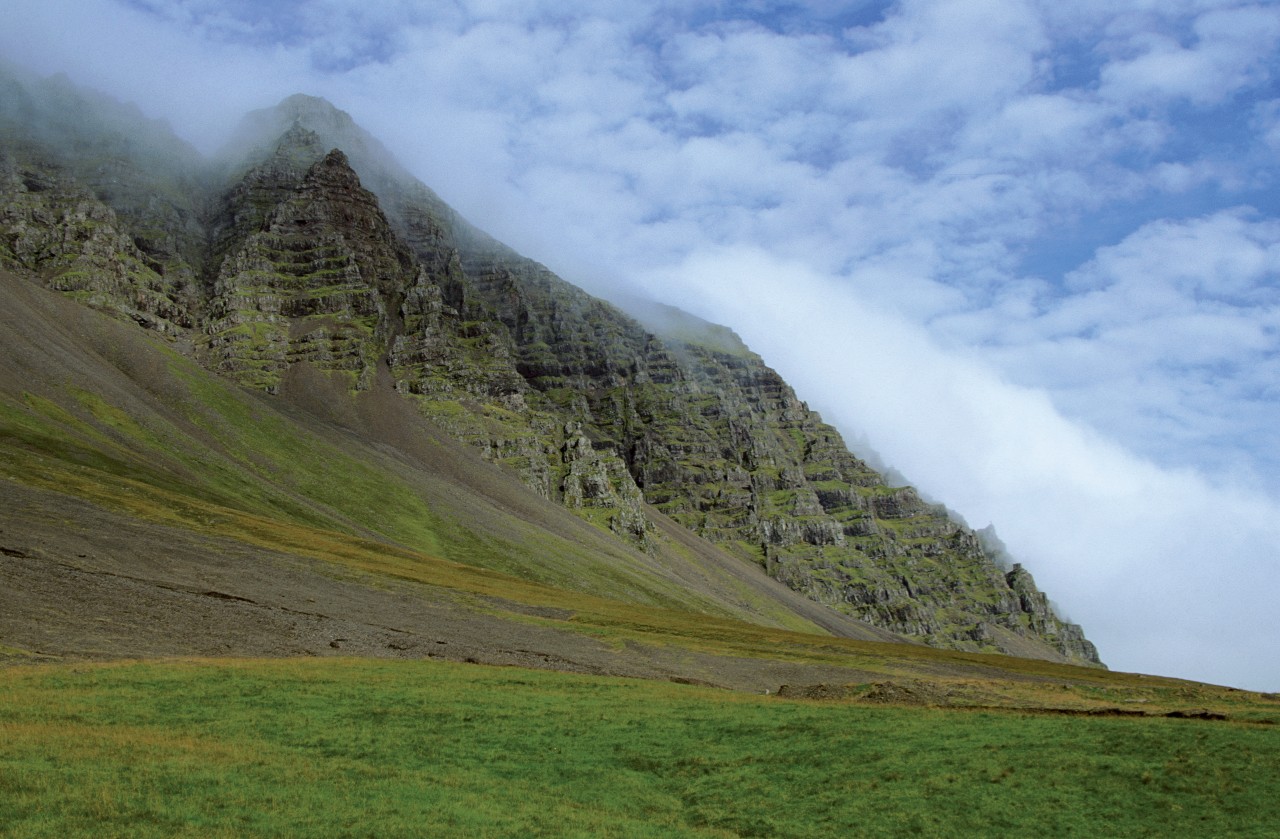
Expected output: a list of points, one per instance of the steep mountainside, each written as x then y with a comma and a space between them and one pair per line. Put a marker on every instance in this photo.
205, 498
306, 266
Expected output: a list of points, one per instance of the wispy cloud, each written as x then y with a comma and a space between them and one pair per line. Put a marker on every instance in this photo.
1032, 244
1201, 59
1170, 338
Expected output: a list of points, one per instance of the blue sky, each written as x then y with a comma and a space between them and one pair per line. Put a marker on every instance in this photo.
1027, 250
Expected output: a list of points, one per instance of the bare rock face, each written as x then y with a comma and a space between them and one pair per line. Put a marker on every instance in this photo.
601, 481
719, 442
312, 284
311, 246
53, 227
1067, 637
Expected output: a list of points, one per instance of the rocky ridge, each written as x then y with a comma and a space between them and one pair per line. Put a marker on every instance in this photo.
304, 245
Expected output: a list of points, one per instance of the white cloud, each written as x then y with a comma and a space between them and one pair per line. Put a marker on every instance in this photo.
1138, 553
931, 56
745, 74
171, 69
1266, 121
1228, 49
1168, 338
1226, 256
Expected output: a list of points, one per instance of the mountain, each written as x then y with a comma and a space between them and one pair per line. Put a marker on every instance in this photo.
297, 352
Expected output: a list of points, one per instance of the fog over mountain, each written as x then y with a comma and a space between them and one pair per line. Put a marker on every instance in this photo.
1028, 252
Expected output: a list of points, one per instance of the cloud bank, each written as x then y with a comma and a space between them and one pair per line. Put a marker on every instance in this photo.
1160, 564
1028, 249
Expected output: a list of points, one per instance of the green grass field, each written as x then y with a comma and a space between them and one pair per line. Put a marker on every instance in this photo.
380, 749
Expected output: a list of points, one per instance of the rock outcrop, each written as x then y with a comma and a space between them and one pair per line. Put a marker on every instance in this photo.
306, 245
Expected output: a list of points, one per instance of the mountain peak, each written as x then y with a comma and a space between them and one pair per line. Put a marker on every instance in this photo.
295, 116
315, 112
262, 131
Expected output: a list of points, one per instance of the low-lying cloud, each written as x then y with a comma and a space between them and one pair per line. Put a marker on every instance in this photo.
1160, 565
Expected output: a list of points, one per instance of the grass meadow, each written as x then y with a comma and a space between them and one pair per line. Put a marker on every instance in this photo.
422, 748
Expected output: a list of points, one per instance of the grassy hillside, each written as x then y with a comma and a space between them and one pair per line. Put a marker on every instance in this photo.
343, 748
92, 408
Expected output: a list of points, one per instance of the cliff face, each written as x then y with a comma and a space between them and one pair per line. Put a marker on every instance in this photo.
306, 246
309, 272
